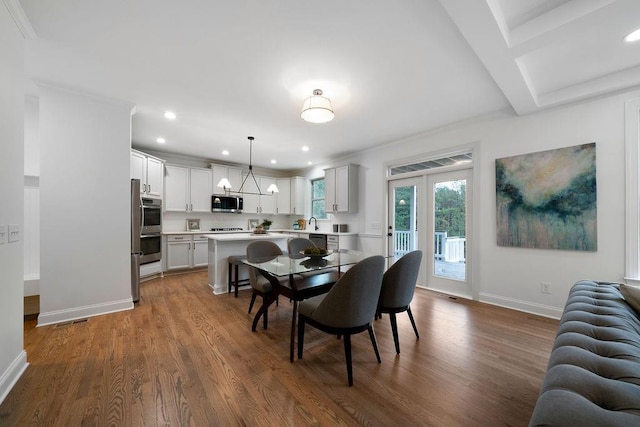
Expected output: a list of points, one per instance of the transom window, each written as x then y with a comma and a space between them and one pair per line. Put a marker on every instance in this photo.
432, 164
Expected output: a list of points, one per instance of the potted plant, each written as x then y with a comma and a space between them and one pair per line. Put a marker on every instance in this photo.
266, 224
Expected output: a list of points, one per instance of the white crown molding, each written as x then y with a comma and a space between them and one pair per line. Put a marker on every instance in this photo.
21, 20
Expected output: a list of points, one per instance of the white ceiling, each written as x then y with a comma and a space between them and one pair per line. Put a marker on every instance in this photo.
392, 69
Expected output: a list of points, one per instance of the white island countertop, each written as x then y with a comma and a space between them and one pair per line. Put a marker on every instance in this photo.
235, 237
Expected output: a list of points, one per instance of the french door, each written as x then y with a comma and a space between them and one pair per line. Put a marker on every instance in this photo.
404, 216
432, 213
449, 196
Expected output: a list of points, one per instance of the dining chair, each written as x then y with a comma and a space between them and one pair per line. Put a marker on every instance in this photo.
259, 250
398, 286
298, 244
347, 309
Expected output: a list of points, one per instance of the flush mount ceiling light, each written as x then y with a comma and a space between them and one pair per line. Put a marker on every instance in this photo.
317, 108
170, 115
161, 140
633, 37
226, 185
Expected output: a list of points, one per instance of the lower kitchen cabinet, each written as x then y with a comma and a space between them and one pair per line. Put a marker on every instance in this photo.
186, 251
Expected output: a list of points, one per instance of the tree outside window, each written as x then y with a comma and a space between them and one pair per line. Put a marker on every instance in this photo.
317, 198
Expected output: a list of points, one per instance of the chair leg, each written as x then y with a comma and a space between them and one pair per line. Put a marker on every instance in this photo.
301, 324
266, 312
347, 356
230, 279
394, 329
253, 299
236, 284
372, 335
413, 323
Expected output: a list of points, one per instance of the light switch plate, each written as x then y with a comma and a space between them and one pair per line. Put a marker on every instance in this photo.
14, 233
4, 234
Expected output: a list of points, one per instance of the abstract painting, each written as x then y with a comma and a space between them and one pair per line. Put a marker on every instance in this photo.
547, 199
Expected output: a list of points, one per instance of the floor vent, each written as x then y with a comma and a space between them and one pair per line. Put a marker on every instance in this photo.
73, 322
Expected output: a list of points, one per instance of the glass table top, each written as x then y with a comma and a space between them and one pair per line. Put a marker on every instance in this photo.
284, 265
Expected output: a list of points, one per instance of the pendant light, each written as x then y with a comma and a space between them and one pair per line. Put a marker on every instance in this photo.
270, 191
317, 108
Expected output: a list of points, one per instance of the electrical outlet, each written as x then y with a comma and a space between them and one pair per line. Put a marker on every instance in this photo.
14, 233
545, 288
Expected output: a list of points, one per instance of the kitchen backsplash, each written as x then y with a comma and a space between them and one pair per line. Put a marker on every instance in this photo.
177, 221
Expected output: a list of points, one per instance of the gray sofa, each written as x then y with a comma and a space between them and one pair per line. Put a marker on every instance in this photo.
593, 376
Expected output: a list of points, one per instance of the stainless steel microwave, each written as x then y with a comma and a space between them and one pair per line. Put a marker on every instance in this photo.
224, 203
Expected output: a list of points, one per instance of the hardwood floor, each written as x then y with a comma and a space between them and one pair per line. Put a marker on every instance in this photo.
186, 357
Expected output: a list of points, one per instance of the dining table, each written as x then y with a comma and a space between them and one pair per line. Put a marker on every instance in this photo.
300, 276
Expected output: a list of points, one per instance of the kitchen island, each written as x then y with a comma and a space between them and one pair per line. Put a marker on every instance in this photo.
222, 246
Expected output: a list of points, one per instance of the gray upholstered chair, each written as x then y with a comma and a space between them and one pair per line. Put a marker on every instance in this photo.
260, 285
297, 244
347, 309
398, 286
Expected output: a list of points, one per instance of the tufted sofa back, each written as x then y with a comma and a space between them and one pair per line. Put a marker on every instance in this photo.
593, 375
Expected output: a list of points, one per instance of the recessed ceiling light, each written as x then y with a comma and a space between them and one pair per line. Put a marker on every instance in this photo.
273, 162
305, 148
309, 163
225, 152
170, 115
161, 140
633, 37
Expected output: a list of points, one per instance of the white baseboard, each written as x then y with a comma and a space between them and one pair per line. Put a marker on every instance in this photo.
31, 285
66, 315
12, 374
526, 306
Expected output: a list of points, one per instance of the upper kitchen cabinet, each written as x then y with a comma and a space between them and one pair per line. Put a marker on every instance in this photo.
188, 189
233, 174
298, 195
149, 170
254, 202
283, 197
341, 189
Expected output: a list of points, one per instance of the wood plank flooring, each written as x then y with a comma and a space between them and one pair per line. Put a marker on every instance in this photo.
186, 357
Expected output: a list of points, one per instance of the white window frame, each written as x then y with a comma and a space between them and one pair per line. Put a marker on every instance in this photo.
632, 216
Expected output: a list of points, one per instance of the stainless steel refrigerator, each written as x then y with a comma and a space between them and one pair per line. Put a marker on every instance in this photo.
136, 229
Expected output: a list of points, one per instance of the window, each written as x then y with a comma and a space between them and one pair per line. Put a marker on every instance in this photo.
317, 199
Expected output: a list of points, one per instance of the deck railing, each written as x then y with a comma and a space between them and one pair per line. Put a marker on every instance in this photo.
449, 249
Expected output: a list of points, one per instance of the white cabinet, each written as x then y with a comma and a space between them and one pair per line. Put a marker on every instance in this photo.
233, 174
341, 189
149, 170
283, 197
186, 251
255, 203
179, 251
298, 196
188, 189
200, 250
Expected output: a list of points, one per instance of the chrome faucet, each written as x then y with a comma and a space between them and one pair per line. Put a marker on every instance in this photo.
316, 222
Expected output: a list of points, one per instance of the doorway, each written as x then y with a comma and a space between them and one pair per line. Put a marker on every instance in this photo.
449, 194
432, 212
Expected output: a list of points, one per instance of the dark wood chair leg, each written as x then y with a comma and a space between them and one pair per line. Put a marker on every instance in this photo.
266, 312
372, 336
413, 323
394, 329
301, 324
236, 283
347, 356
253, 299
230, 278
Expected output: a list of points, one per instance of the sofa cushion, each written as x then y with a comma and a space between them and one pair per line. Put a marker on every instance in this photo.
593, 376
631, 296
